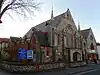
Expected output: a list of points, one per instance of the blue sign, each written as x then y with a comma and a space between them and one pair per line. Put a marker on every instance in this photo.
22, 54
29, 54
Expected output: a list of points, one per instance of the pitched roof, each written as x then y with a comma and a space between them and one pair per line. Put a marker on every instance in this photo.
14, 39
85, 32
98, 44
4, 40
55, 22
43, 26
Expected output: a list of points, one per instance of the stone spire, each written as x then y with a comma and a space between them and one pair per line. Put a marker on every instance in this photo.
52, 13
78, 26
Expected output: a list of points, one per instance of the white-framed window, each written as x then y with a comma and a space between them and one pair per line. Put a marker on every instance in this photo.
3, 45
6, 45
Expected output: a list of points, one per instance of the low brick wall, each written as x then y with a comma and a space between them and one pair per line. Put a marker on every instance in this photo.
76, 64
29, 68
34, 68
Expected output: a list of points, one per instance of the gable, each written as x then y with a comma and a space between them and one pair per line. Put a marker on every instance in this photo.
85, 33
69, 16
64, 17
56, 21
91, 41
91, 36
66, 22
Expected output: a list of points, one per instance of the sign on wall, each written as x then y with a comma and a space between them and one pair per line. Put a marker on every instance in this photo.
22, 53
29, 54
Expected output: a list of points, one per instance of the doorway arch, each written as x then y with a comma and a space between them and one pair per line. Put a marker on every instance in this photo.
76, 56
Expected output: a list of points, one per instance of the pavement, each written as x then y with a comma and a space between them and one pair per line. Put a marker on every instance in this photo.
69, 71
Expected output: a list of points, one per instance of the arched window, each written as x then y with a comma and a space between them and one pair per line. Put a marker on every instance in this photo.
69, 41
92, 46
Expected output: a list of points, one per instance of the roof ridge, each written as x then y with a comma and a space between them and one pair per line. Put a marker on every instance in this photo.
86, 29
50, 18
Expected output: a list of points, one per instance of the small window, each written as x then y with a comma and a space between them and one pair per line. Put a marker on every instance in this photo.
68, 16
34, 51
91, 37
58, 39
0, 45
48, 52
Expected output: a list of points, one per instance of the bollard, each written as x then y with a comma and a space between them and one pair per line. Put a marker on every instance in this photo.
37, 68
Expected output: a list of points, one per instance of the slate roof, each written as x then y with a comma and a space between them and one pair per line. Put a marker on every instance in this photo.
4, 40
98, 44
85, 32
43, 26
14, 39
56, 20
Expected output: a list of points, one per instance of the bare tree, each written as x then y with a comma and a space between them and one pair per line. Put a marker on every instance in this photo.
21, 7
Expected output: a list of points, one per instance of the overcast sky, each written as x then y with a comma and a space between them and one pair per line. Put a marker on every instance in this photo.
87, 12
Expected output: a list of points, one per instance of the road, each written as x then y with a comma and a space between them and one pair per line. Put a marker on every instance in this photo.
95, 71
91, 69
91, 72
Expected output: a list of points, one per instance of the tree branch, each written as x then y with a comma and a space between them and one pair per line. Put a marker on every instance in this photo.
22, 7
6, 7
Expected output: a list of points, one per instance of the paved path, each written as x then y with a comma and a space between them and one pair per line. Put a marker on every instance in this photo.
95, 71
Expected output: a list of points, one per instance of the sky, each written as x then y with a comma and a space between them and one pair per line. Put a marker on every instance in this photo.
87, 12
